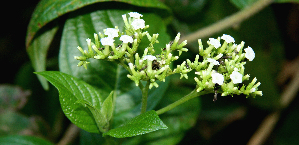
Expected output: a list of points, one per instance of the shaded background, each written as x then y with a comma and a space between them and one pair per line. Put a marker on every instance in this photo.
15, 63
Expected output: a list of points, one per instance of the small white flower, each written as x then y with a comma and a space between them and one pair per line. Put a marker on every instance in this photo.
138, 24
111, 32
236, 77
213, 61
250, 55
238, 48
135, 15
227, 38
149, 57
215, 42
88, 41
217, 78
252, 90
131, 66
126, 39
107, 41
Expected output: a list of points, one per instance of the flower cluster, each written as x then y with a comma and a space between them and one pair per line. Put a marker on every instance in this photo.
145, 67
222, 68
151, 68
105, 48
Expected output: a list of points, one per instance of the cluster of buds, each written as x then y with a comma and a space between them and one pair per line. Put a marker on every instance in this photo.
148, 67
222, 68
152, 68
105, 48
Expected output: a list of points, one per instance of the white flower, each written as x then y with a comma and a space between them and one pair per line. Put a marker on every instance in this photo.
227, 38
252, 90
126, 39
236, 77
250, 55
213, 61
149, 57
138, 24
217, 78
135, 15
88, 41
238, 48
107, 41
111, 32
215, 42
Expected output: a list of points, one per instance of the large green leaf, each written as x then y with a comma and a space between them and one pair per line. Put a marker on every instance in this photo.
104, 75
145, 123
48, 10
37, 52
23, 140
71, 91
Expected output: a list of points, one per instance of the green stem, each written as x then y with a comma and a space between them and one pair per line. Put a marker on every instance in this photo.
144, 91
186, 98
121, 62
228, 21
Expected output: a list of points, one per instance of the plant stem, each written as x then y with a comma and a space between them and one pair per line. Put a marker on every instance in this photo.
186, 98
144, 91
125, 66
228, 21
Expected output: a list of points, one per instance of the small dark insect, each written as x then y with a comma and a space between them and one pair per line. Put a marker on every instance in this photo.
101, 48
221, 60
187, 66
156, 65
215, 96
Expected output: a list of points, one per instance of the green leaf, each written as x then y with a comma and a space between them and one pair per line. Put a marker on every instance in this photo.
23, 140
142, 124
71, 90
108, 76
108, 107
48, 10
242, 3
37, 52
97, 115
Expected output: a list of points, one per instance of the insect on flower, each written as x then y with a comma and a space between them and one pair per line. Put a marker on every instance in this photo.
156, 65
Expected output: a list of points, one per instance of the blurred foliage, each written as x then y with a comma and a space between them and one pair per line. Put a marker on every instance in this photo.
27, 109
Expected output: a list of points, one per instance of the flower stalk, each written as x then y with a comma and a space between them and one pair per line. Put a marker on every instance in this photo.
186, 98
